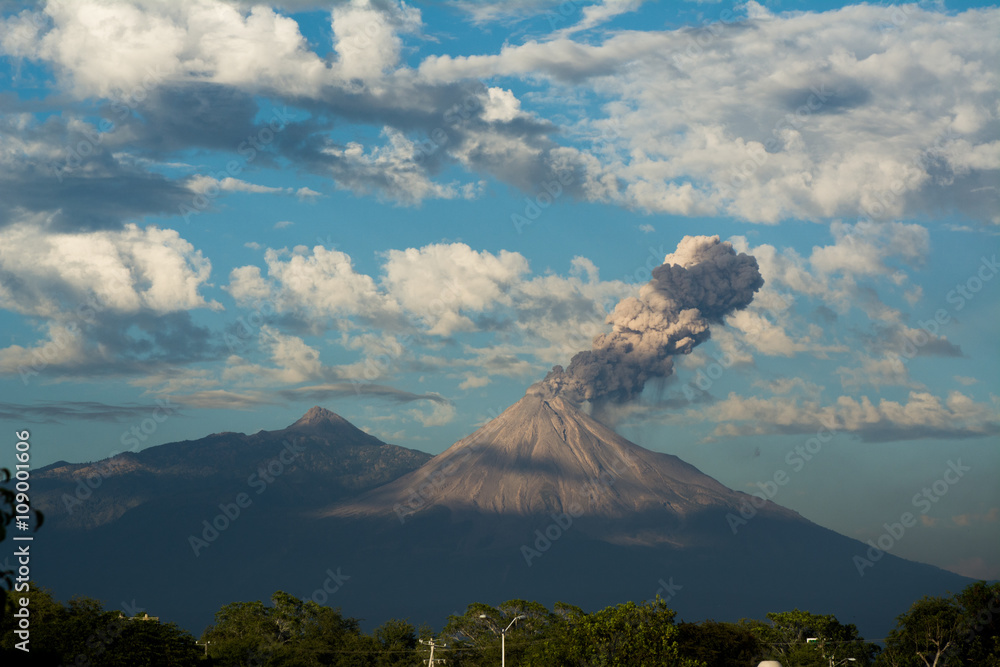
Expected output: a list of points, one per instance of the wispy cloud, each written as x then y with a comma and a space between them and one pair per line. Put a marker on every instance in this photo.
72, 411
921, 416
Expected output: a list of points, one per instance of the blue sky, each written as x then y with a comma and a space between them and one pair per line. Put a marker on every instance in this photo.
408, 213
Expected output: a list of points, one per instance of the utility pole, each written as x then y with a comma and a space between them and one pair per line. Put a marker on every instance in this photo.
430, 661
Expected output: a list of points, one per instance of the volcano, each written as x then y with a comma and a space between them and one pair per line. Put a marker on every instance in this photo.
546, 503
543, 456
541, 503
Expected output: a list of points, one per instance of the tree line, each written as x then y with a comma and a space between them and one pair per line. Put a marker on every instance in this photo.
960, 629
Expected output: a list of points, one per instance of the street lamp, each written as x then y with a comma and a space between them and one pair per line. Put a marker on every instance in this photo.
842, 661
503, 637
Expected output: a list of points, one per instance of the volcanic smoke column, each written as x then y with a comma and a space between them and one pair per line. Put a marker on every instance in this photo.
700, 283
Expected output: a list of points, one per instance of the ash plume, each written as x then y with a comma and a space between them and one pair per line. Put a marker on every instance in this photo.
698, 284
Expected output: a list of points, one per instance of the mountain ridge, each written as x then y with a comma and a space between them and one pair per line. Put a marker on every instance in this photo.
337, 458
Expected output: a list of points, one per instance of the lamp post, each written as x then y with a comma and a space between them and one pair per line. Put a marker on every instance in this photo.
842, 661
503, 637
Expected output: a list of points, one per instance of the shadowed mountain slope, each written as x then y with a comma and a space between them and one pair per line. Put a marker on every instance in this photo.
327, 456
541, 503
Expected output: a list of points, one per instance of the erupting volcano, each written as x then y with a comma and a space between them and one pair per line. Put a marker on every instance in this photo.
542, 456
541, 503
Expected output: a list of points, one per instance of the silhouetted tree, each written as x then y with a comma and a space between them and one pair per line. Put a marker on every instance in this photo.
629, 634
963, 629
626, 634
81, 632
8, 505
291, 632
719, 644
785, 639
396, 644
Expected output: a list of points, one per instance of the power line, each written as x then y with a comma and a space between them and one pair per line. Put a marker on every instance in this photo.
430, 661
